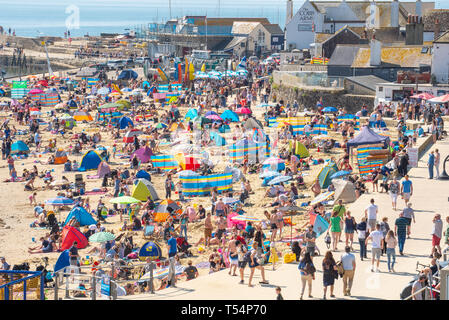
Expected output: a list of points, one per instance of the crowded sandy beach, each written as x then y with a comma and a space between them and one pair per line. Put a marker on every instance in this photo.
194, 181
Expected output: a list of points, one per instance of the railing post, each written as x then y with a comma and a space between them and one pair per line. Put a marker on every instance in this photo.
94, 288
24, 290
42, 286
66, 286
56, 285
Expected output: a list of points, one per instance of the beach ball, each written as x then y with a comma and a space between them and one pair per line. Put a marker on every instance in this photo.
219, 250
40, 156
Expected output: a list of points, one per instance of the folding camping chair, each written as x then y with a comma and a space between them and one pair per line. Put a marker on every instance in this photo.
148, 232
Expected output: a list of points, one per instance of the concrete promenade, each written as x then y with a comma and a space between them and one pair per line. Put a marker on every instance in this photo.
429, 197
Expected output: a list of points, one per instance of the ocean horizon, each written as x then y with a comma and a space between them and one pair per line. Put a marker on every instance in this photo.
81, 17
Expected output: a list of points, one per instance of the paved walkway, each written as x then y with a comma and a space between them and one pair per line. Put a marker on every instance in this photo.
428, 198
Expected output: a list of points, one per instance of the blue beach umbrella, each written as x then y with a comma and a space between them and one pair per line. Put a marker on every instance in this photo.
340, 173
59, 201
330, 109
279, 179
269, 174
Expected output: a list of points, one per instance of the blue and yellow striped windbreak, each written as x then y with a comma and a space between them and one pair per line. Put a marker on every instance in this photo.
202, 185
164, 162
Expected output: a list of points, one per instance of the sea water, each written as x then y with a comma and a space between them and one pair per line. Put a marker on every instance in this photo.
31, 18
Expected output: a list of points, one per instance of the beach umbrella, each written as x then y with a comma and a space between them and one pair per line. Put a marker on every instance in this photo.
269, 174
187, 173
59, 201
35, 91
246, 218
279, 179
322, 197
214, 117
273, 160
423, 96
103, 91
127, 89
340, 173
124, 200
35, 113
129, 136
169, 206
102, 237
243, 110
173, 100
440, 99
330, 109
43, 83
124, 104
229, 200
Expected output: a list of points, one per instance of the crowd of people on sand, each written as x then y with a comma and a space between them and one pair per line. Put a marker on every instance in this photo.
252, 246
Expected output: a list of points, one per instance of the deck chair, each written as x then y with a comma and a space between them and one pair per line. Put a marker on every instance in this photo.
79, 182
148, 231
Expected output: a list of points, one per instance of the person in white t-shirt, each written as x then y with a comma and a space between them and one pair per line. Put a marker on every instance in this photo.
377, 239
371, 215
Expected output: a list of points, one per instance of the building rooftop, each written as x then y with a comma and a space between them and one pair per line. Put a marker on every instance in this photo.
368, 82
444, 38
244, 27
201, 21
405, 57
343, 55
430, 17
273, 29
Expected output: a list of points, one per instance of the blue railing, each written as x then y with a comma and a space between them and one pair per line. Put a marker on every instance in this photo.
31, 275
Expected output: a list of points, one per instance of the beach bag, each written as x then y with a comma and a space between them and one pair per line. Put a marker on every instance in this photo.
247, 257
340, 268
289, 257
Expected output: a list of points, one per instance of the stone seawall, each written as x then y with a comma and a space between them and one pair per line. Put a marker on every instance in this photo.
308, 97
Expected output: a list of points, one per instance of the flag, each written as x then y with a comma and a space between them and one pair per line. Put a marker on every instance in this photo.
116, 88
242, 63
191, 72
186, 74
162, 74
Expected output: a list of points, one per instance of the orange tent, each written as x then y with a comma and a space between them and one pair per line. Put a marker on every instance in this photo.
161, 216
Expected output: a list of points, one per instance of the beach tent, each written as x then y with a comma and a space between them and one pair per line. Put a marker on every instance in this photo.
150, 249
103, 169
82, 116
168, 206
125, 122
344, 190
90, 161
19, 147
219, 140
230, 115
60, 156
367, 136
142, 189
128, 75
143, 154
191, 114
298, 149
324, 177
81, 215
71, 234
224, 128
142, 174
252, 123
63, 261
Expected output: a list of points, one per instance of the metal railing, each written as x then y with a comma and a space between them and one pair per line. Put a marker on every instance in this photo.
7, 289
424, 289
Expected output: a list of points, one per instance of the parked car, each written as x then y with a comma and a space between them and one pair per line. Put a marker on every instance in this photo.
116, 64
141, 60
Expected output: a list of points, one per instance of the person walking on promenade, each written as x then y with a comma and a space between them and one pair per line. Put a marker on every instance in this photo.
394, 191
409, 214
335, 228
400, 231
406, 189
384, 227
362, 229
391, 243
377, 238
430, 164
437, 163
437, 233
371, 215
348, 263
307, 272
329, 272
350, 226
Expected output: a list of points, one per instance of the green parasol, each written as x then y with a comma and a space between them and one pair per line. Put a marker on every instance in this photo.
101, 237
124, 200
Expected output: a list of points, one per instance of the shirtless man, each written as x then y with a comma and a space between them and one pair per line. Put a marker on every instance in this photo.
233, 255
221, 224
208, 229
220, 208
316, 188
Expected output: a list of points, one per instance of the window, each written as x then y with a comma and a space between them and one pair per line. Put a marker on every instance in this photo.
424, 49
381, 89
275, 39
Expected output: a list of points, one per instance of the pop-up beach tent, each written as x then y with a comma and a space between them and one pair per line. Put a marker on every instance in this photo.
71, 234
60, 156
143, 154
324, 177
344, 190
81, 215
90, 161
19, 147
367, 136
142, 189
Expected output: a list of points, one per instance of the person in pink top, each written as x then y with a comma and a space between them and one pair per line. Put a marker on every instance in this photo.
191, 213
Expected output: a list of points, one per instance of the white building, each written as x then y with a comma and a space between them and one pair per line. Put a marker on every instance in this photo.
329, 16
440, 58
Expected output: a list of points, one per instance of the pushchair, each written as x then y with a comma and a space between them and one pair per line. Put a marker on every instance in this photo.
183, 246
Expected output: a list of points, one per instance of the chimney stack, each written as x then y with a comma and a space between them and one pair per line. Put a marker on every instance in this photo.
394, 20
436, 30
418, 10
414, 31
289, 11
375, 52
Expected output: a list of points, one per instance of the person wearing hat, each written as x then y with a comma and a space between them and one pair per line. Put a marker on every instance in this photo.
409, 214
